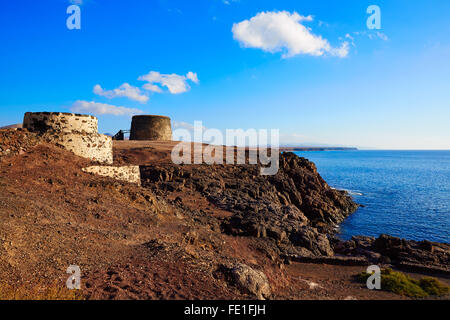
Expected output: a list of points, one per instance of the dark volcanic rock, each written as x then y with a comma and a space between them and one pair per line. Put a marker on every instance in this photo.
410, 254
299, 180
295, 207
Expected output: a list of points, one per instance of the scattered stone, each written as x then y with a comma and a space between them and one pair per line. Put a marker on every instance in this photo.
250, 280
312, 285
16, 141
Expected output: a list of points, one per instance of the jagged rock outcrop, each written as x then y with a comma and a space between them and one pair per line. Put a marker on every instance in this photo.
295, 207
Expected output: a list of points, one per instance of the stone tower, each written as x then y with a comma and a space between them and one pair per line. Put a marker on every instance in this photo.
75, 132
149, 127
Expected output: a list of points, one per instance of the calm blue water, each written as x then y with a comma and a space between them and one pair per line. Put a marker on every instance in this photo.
406, 193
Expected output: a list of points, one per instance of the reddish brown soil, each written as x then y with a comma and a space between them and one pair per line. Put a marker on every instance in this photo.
54, 215
129, 242
142, 152
154, 152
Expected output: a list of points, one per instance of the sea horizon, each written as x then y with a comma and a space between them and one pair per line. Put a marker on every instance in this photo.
410, 188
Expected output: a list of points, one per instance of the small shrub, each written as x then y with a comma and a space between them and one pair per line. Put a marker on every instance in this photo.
404, 285
433, 287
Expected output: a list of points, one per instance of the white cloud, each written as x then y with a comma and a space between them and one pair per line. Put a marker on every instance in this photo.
340, 52
228, 2
185, 125
372, 35
192, 76
352, 39
173, 82
125, 90
382, 36
92, 107
283, 31
152, 87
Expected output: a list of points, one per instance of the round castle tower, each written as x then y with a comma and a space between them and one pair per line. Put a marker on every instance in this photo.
75, 132
150, 127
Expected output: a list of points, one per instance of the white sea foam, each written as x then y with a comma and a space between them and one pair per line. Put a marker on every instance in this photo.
350, 192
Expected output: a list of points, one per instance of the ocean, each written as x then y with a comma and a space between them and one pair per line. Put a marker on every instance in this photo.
405, 193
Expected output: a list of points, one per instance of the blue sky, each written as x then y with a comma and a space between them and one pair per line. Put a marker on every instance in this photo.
387, 89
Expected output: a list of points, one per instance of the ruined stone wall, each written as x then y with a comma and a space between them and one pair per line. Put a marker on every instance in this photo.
125, 173
74, 132
61, 122
149, 127
96, 146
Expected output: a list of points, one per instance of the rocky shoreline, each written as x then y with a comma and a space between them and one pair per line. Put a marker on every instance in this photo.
189, 231
296, 211
409, 255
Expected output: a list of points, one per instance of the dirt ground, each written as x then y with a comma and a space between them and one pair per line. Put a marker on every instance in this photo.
131, 242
